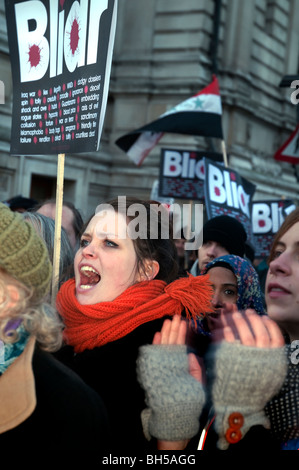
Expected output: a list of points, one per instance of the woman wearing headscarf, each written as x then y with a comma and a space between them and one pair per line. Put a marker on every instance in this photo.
249, 293
234, 281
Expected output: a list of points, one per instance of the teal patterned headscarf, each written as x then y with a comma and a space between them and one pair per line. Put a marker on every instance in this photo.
9, 352
249, 290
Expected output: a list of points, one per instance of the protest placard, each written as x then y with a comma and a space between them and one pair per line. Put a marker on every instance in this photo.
61, 56
182, 173
226, 192
267, 217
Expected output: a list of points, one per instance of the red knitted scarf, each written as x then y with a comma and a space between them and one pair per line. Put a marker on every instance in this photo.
89, 326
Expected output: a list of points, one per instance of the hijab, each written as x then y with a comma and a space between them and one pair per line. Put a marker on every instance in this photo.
249, 290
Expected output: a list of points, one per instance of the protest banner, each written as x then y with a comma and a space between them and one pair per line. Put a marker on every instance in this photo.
61, 59
155, 195
226, 192
182, 173
267, 217
61, 54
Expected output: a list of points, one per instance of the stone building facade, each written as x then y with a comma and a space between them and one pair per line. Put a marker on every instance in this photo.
166, 51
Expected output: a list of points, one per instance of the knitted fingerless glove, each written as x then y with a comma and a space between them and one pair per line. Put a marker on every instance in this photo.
175, 399
243, 380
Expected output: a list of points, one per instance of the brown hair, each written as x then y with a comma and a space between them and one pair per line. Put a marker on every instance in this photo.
155, 247
289, 221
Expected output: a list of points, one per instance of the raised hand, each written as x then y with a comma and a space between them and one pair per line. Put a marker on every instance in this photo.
174, 332
247, 328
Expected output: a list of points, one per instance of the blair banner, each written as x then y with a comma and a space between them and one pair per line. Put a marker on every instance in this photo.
182, 173
226, 192
267, 217
61, 54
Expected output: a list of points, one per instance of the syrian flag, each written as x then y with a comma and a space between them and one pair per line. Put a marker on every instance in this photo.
198, 115
289, 152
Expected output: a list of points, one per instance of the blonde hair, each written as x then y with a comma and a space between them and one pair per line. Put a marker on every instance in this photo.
39, 319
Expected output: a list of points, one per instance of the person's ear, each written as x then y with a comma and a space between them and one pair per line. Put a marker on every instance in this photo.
14, 294
13, 298
151, 269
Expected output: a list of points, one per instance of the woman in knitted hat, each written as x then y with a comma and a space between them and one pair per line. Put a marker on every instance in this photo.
42, 401
125, 285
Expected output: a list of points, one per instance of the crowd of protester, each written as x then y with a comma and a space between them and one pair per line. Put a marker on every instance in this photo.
147, 348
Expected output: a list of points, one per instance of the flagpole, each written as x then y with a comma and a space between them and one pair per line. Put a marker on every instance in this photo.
224, 153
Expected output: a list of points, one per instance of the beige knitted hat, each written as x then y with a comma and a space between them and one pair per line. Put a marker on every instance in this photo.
23, 253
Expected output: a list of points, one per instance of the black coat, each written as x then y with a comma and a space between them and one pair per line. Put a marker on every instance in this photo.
111, 371
68, 415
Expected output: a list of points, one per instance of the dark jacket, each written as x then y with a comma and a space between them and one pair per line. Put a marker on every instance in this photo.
68, 415
111, 371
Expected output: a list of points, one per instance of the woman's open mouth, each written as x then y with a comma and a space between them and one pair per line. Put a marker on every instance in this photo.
276, 291
89, 277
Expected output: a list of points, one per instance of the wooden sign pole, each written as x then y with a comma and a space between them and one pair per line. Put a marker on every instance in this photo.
224, 153
188, 234
58, 217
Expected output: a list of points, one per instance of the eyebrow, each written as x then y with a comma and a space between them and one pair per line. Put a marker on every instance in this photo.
105, 234
282, 244
99, 232
101, 235
228, 284
279, 243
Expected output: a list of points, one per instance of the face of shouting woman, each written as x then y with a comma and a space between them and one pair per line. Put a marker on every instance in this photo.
282, 284
106, 263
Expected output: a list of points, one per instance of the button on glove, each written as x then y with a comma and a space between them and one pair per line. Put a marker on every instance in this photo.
242, 380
